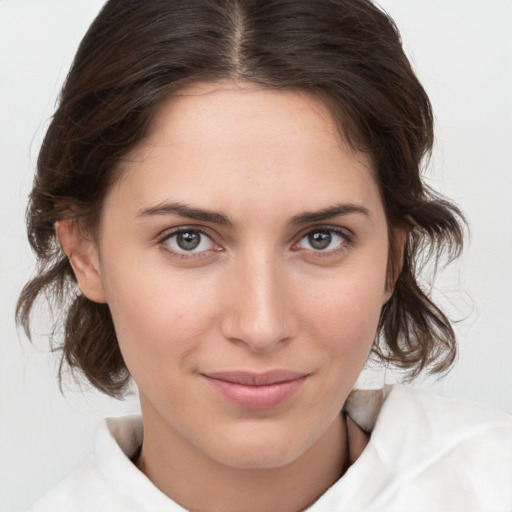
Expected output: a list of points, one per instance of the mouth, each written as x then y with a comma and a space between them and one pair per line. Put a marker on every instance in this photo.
256, 390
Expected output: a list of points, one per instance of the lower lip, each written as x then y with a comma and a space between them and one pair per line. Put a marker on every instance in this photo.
256, 397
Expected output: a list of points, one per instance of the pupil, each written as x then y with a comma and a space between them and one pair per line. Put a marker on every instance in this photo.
320, 239
187, 240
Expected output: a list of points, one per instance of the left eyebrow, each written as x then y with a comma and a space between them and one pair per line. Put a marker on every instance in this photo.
329, 213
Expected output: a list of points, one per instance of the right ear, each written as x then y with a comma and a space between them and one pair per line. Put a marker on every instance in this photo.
83, 257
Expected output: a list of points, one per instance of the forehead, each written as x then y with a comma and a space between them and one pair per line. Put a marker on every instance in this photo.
214, 143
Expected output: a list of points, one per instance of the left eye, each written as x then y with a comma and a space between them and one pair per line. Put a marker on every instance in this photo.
322, 240
189, 240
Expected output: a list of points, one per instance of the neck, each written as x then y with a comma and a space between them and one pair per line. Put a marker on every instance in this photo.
199, 483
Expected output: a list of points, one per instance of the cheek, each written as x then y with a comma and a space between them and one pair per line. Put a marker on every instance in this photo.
343, 314
157, 315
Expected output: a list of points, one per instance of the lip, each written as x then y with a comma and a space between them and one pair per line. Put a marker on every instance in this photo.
256, 390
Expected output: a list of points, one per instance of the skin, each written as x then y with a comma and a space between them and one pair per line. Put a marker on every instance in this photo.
256, 295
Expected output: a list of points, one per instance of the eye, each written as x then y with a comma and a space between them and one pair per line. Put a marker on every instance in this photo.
188, 241
324, 239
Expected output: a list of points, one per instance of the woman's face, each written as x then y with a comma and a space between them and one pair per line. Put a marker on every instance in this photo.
243, 256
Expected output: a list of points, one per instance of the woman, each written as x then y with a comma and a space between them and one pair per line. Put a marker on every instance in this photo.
229, 205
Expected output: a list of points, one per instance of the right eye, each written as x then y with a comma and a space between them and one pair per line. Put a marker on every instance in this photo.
188, 241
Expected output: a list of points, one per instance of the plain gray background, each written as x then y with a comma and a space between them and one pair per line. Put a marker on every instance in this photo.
462, 52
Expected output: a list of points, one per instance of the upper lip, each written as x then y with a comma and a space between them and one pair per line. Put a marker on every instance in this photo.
256, 379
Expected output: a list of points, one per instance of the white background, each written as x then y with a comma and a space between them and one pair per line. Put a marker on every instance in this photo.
462, 51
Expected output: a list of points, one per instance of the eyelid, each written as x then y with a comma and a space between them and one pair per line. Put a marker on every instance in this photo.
347, 235
164, 236
168, 232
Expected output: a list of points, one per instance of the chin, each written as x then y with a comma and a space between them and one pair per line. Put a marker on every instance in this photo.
256, 459
260, 449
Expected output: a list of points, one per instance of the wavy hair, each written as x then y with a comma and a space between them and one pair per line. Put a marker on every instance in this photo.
347, 53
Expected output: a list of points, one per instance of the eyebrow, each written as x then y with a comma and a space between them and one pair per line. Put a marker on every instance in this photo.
213, 217
329, 213
187, 212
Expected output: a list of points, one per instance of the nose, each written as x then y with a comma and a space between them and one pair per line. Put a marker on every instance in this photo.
258, 311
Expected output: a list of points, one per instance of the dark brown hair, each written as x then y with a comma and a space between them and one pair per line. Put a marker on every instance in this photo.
136, 53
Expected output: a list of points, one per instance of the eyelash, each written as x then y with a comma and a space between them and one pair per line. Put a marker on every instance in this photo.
185, 255
347, 241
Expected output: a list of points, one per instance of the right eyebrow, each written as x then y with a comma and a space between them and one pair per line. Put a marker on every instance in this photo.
186, 212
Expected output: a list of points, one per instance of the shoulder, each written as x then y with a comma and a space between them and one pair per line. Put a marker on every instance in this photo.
424, 425
109, 480
433, 452
77, 492
370, 406
415, 415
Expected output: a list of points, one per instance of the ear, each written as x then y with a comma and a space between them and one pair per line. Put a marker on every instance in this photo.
83, 257
395, 258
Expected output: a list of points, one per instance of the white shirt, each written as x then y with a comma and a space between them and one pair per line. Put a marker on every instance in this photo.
426, 453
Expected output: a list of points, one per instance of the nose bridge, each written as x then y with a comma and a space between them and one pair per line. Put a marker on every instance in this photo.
260, 309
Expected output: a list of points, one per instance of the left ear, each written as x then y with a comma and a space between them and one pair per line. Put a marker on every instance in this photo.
397, 242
